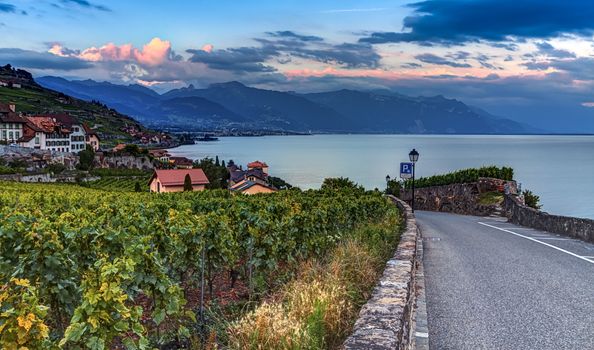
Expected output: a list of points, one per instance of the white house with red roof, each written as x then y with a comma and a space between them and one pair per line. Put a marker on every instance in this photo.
172, 180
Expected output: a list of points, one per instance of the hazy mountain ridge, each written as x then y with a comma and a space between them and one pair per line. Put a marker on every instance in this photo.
235, 105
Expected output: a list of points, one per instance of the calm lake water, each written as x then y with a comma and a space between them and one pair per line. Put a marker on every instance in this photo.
558, 168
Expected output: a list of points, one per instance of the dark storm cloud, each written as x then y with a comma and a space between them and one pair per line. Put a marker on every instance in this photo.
282, 46
40, 60
86, 4
442, 21
434, 59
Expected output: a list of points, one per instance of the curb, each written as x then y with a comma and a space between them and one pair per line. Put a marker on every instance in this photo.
386, 321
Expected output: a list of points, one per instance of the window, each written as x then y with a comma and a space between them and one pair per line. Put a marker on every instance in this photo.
17, 135
37, 140
10, 135
3, 134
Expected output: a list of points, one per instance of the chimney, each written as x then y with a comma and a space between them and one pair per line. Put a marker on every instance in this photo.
12, 106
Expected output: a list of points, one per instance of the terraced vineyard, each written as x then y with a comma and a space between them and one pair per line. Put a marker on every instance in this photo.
88, 269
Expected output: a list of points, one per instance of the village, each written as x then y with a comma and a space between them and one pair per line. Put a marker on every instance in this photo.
50, 147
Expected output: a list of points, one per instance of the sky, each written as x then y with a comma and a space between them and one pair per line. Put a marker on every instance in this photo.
529, 60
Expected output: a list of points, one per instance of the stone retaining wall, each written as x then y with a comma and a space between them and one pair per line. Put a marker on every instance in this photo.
458, 198
385, 322
521, 214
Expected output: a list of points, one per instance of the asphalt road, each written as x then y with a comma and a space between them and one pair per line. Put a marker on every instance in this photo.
494, 285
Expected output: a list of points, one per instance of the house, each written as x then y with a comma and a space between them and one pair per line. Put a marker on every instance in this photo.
181, 162
258, 165
91, 137
172, 180
56, 132
251, 181
253, 187
160, 154
11, 124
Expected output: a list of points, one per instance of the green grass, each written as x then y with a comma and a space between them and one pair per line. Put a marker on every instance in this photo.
490, 198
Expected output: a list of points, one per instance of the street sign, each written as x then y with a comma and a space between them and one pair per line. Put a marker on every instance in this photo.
406, 170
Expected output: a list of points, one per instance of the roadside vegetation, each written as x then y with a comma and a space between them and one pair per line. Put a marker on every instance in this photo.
491, 198
531, 200
88, 269
463, 176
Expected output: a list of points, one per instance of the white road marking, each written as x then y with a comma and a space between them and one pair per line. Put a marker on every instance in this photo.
553, 238
421, 334
537, 241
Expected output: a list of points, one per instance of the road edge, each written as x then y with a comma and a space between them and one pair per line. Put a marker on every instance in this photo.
387, 320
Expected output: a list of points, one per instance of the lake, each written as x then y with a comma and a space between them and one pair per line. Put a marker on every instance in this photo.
560, 169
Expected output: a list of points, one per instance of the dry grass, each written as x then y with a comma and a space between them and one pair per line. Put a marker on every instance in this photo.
317, 310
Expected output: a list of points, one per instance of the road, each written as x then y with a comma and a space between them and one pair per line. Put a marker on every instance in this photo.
494, 285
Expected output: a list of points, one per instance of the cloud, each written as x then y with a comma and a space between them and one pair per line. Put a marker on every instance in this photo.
434, 59
207, 48
86, 4
239, 60
282, 47
7, 8
546, 49
293, 35
154, 53
440, 21
40, 60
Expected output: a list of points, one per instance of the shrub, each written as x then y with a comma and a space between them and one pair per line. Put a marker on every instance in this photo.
463, 176
340, 183
531, 200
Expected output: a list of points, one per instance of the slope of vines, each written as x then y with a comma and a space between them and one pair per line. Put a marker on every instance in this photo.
88, 269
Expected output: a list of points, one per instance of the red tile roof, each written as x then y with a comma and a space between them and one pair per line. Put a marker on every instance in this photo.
49, 122
176, 177
257, 164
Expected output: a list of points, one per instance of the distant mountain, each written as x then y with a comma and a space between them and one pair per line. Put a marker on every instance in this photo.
235, 105
372, 112
271, 109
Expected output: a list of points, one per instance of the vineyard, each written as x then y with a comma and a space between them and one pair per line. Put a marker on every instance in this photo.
88, 269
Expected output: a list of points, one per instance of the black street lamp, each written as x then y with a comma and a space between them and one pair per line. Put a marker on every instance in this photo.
413, 156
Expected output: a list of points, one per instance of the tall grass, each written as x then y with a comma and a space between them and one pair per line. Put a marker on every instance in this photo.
318, 308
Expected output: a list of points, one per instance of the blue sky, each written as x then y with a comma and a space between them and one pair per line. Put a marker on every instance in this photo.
529, 60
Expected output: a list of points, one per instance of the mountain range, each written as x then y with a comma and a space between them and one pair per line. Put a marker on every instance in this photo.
233, 105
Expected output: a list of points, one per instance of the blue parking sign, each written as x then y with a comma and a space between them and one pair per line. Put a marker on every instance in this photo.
406, 170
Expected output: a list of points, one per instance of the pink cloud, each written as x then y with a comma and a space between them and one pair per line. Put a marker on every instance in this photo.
156, 52
207, 48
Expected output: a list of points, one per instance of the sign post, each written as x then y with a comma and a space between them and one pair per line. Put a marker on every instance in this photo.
406, 170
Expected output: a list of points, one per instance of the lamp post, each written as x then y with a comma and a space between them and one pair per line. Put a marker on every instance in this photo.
413, 156
387, 184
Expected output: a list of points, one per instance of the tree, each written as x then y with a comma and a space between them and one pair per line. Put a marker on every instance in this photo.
86, 158
341, 183
217, 161
217, 174
531, 200
279, 183
188, 183
137, 187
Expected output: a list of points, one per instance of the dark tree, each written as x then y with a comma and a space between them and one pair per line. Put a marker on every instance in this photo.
86, 158
188, 183
217, 163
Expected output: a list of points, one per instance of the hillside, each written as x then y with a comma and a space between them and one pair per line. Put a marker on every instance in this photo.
112, 126
234, 105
